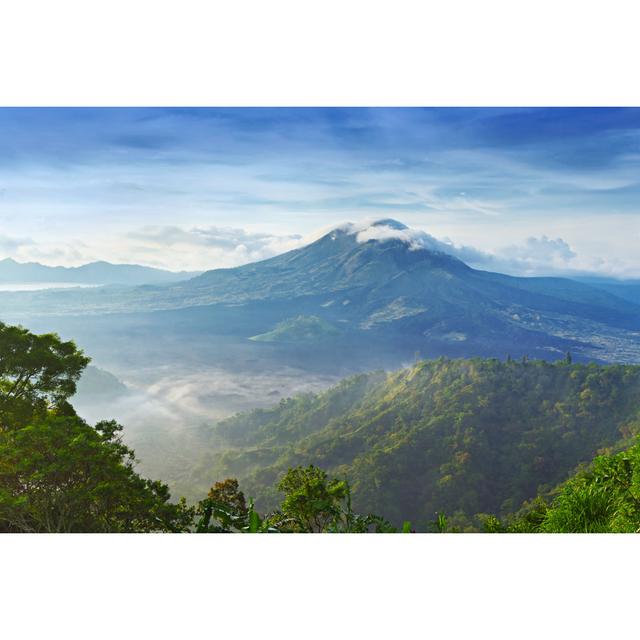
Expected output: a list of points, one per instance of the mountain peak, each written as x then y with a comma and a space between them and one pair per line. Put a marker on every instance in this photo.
388, 229
389, 222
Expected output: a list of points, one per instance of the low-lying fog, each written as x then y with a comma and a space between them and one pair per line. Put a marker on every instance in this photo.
166, 410
168, 381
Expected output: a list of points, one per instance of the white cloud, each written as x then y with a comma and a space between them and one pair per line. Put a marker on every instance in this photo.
29, 250
204, 247
535, 256
415, 238
10, 245
541, 250
168, 247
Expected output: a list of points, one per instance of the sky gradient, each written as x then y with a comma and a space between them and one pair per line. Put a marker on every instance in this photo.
530, 191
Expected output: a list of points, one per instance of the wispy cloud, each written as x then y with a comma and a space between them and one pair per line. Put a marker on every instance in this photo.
206, 247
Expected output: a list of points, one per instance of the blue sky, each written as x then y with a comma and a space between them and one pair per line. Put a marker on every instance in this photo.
530, 191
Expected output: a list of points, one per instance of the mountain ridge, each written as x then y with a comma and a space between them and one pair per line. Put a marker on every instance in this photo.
97, 272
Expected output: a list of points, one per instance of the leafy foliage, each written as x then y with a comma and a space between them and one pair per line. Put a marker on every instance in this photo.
313, 503
603, 498
455, 437
57, 473
37, 373
62, 475
461, 437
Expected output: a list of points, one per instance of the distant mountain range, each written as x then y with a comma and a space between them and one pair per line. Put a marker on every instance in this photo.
374, 288
92, 273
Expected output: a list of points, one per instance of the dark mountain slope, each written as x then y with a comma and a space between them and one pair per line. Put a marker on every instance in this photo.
626, 289
399, 289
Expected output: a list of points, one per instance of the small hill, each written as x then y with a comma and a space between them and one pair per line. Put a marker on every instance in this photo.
299, 329
456, 436
98, 384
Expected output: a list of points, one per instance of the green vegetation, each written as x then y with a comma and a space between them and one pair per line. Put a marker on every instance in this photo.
299, 329
466, 438
313, 503
462, 437
37, 373
59, 474
602, 498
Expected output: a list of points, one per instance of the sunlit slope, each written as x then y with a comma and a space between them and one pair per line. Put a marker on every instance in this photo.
466, 436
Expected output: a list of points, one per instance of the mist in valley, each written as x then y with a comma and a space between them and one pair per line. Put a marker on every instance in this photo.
169, 402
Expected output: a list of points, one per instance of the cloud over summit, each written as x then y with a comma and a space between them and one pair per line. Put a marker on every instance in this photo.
534, 256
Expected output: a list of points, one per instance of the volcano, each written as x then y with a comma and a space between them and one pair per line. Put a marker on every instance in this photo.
380, 286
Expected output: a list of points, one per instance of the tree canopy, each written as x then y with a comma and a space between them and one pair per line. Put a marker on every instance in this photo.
62, 475
313, 503
57, 473
37, 373
462, 437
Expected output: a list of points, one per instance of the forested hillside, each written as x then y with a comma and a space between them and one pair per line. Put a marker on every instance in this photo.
457, 436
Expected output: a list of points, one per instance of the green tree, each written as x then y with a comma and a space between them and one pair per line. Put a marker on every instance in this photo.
581, 508
225, 510
62, 475
313, 504
462, 436
228, 493
311, 500
37, 373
